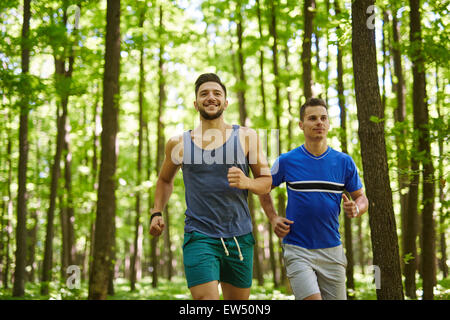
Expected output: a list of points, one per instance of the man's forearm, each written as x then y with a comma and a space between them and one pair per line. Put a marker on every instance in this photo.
362, 203
162, 194
267, 205
260, 185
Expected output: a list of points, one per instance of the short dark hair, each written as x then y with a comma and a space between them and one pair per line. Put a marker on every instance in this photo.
311, 102
208, 77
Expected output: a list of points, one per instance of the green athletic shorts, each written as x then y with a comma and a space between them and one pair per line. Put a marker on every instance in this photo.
205, 259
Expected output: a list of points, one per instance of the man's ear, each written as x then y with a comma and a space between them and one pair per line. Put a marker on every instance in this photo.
195, 105
300, 124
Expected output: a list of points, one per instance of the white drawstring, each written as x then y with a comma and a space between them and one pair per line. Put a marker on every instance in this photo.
239, 249
241, 257
225, 247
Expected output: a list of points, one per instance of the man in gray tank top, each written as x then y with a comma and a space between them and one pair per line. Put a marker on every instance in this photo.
215, 159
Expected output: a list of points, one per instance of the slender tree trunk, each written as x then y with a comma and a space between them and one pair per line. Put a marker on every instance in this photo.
70, 217
257, 265
308, 16
273, 31
167, 251
138, 231
374, 157
160, 139
402, 157
385, 59
348, 239
241, 74
46, 275
8, 207
60, 84
106, 205
289, 98
261, 63
21, 228
327, 58
420, 107
95, 145
442, 195
361, 243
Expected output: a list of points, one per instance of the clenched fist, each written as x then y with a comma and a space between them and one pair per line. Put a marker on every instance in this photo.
237, 178
350, 207
157, 226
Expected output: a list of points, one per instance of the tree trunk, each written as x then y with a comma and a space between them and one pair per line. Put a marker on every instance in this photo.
420, 108
402, 163
62, 84
106, 205
261, 63
8, 208
327, 58
258, 271
21, 228
241, 83
138, 231
308, 16
442, 195
70, 210
289, 99
348, 239
277, 109
35, 214
95, 145
385, 59
374, 157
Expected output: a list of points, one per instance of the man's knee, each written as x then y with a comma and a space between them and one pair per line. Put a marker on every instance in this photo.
205, 291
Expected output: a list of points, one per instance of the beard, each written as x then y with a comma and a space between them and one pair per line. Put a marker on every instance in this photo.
208, 116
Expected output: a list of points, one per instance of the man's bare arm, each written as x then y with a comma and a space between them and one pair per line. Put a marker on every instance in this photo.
164, 184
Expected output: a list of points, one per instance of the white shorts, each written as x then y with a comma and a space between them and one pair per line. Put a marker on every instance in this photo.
312, 271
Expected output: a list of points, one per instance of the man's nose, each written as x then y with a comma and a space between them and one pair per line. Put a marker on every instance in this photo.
210, 96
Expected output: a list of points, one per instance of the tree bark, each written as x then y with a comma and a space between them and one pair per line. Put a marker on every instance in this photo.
261, 63
348, 238
21, 228
442, 195
308, 15
106, 204
408, 234
138, 231
420, 108
241, 83
374, 157
62, 84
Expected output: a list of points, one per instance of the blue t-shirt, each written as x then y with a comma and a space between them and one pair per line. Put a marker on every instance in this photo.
315, 186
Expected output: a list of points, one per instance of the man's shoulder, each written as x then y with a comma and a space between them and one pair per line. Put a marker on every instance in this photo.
247, 131
175, 142
296, 152
339, 154
175, 139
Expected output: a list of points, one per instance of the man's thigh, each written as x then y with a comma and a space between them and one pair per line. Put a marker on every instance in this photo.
330, 269
231, 292
201, 260
299, 270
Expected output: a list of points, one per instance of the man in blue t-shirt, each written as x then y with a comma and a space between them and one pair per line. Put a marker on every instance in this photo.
316, 176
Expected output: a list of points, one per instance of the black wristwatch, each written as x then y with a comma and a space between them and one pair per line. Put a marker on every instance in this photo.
155, 214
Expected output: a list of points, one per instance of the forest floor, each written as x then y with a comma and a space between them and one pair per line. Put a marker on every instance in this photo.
176, 289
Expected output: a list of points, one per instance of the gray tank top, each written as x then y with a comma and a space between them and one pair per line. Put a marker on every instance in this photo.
213, 207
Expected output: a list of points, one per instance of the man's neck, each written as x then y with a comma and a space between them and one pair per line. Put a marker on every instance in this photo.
206, 125
316, 148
